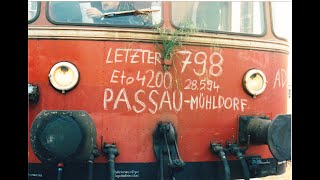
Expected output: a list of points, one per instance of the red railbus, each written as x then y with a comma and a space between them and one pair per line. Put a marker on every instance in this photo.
157, 90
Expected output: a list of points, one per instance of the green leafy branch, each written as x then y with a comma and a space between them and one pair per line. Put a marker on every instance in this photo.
170, 39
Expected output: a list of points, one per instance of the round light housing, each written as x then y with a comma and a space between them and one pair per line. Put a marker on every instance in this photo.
64, 76
254, 82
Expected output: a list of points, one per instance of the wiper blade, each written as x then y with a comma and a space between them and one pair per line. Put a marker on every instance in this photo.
129, 13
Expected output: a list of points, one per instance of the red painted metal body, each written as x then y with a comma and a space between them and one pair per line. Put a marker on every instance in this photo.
131, 122
129, 117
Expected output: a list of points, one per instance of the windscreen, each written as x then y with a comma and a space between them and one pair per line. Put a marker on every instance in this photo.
225, 16
108, 13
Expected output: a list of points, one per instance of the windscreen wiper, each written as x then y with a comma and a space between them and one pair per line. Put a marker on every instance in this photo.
128, 13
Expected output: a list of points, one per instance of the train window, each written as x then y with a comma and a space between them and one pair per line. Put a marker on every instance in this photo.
120, 13
33, 10
213, 16
281, 18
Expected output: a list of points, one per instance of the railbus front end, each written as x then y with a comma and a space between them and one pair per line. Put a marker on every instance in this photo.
156, 90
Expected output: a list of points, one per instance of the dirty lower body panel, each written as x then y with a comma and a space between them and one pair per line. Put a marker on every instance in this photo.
192, 170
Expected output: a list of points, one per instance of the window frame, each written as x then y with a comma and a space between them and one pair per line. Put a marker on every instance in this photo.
272, 25
37, 13
264, 25
103, 25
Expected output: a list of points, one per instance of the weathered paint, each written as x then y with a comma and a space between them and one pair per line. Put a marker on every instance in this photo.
130, 116
149, 35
